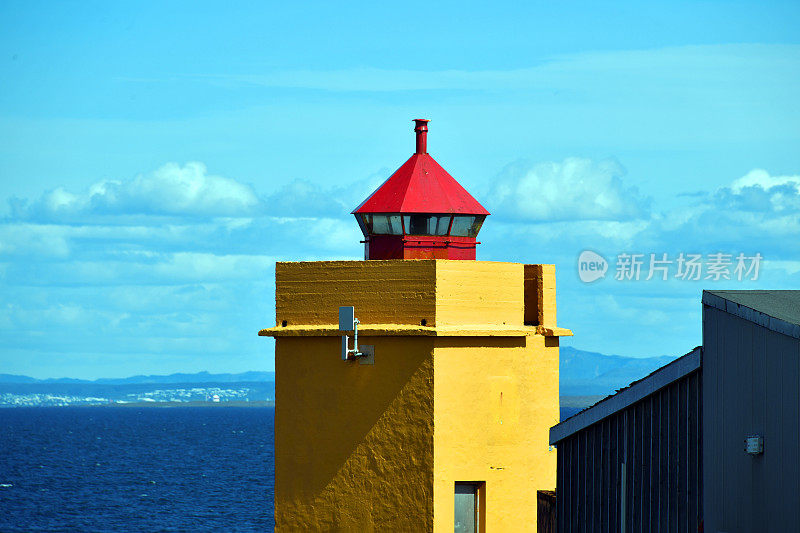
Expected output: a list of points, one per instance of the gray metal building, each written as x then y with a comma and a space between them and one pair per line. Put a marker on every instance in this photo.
751, 379
708, 442
632, 461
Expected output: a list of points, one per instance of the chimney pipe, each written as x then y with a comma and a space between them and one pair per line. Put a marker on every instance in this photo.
421, 128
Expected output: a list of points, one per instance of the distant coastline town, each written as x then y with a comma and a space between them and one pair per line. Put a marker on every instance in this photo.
157, 397
201, 389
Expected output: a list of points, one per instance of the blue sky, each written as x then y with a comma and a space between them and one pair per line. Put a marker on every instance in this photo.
156, 160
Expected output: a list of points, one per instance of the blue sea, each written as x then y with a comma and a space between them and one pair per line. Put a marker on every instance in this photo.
136, 469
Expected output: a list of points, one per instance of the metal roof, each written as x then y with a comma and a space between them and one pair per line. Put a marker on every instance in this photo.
421, 185
773, 309
631, 394
778, 310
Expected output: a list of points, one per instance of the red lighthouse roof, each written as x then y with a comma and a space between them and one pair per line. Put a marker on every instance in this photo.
421, 185
420, 212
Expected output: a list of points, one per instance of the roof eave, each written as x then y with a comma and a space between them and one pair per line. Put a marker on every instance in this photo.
628, 396
718, 301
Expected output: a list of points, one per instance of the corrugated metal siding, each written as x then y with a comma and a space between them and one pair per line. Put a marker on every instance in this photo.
658, 440
751, 376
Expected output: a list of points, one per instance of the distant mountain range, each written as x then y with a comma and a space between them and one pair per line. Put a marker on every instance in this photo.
591, 373
582, 374
199, 377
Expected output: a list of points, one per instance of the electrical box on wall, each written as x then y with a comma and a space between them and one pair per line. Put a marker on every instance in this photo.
754, 444
349, 322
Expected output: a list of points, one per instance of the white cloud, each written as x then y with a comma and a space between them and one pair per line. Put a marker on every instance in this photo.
187, 190
145, 268
756, 208
192, 266
25, 317
761, 178
575, 189
759, 191
302, 198
61, 200
757, 212
37, 240
335, 235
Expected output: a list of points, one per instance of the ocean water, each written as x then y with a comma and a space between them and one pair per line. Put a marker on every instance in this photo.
136, 469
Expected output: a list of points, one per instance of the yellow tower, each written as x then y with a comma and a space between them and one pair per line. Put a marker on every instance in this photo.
440, 422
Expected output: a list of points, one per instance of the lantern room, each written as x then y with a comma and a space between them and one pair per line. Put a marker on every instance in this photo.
420, 212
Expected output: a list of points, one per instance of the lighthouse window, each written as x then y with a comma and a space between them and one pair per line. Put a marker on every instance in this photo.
383, 224
426, 224
466, 226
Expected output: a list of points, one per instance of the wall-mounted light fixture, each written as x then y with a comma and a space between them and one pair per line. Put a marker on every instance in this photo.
754, 444
349, 322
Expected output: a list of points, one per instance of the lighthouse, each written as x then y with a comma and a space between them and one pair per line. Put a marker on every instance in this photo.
427, 408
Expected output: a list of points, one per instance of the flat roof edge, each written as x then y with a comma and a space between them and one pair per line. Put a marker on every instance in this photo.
748, 313
405, 330
639, 390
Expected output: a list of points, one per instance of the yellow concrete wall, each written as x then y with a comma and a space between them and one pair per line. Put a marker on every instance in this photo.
479, 292
354, 443
383, 292
494, 402
443, 292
